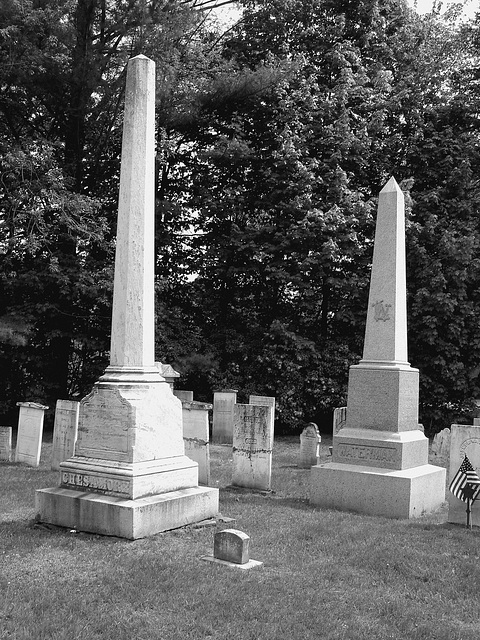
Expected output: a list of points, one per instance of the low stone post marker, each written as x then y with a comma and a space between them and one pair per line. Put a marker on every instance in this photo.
30, 432
309, 446
5, 444
64, 431
230, 548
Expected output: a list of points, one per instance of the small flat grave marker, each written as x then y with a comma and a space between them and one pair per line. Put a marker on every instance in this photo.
231, 548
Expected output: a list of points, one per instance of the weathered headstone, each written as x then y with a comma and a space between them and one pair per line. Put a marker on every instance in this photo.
64, 431
339, 419
222, 428
130, 476
196, 436
30, 432
380, 458
5, 444
252, 447
231, 548
264, 401
441, 443
464, 440
181, 394
309, 446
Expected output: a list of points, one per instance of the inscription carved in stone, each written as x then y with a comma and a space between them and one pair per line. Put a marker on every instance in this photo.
96, 483
362, 452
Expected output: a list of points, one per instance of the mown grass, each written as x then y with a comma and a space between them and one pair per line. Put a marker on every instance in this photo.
326, 574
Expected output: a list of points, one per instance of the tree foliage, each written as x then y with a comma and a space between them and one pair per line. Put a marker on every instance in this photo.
274, 137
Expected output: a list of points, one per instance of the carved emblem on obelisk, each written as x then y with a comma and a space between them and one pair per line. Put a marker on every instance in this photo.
382, 311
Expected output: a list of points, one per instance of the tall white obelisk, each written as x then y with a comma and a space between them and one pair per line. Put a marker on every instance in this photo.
129, 476
380, 458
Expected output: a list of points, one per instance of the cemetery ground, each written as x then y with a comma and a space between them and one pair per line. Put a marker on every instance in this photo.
326, 574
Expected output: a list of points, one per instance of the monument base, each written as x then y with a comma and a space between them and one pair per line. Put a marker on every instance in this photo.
405, 493
131, 519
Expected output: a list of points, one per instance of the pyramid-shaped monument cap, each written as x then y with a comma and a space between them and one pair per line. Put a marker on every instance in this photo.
391, 185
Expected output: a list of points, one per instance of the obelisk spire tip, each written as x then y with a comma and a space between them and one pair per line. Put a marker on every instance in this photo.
391, 185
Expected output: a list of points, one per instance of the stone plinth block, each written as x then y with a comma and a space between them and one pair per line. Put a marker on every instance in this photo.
129, 480
406, 493
383, 398
382, 449
131, 519
464, 440
130, 423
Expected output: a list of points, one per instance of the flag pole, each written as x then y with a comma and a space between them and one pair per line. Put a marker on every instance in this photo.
469, 510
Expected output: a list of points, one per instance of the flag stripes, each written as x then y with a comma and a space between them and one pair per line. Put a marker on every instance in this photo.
466, 483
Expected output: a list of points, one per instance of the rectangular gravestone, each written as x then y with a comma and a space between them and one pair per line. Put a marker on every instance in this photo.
181, 394
265, 401
252, 446
223, 403
5, 444
30, 432
339, 419
464, 440
196, 436
441, 444
64, 431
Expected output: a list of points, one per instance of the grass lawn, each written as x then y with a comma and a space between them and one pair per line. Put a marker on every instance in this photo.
326, 574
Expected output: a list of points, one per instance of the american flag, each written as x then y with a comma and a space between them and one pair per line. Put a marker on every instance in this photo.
466, 483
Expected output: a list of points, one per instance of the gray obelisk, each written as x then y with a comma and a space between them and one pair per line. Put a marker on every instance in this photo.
129, 476
380, 457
